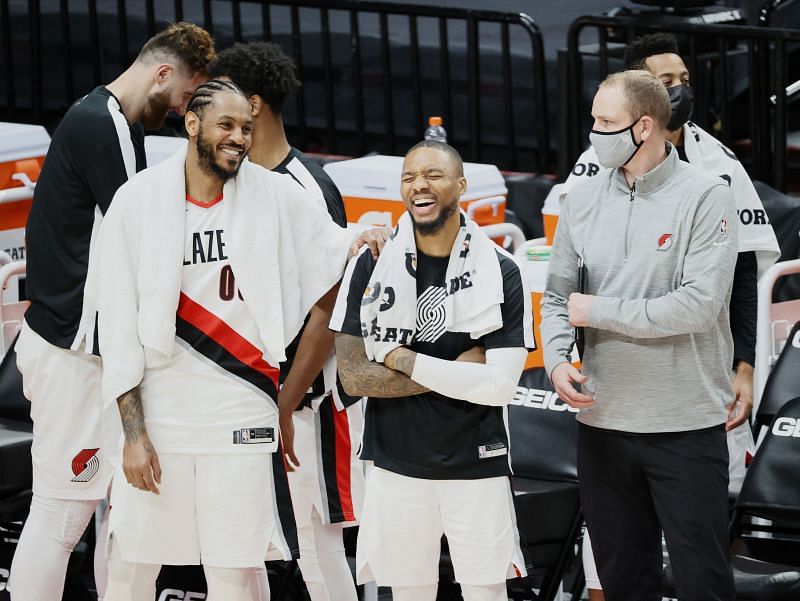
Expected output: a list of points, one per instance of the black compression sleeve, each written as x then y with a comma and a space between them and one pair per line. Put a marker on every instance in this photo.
743, 308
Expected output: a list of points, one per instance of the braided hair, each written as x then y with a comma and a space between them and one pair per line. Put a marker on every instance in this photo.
204, 94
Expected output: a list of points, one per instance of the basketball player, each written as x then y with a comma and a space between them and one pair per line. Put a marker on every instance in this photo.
435, 333
98, 145
206, 276
318, 420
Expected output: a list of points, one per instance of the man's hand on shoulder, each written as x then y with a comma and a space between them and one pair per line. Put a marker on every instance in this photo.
578, 309
563, 376
375, 238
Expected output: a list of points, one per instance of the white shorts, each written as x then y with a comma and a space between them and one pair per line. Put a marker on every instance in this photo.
399, 540
73, 440
330, 478
218, 510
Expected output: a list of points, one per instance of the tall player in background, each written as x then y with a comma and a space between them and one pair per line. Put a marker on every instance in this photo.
98, 146
206, 276
320, 423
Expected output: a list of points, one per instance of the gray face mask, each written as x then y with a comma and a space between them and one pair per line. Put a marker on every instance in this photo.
615, 148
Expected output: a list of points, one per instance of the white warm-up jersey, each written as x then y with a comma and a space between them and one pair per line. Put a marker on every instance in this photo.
217, 392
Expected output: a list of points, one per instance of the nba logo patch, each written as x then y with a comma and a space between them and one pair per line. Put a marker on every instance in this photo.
723, 229
665, 242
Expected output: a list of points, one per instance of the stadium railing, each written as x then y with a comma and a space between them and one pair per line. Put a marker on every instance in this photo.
739, 74
373, 72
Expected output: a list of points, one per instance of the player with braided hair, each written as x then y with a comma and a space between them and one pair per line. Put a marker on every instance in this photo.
209, 265
98, 146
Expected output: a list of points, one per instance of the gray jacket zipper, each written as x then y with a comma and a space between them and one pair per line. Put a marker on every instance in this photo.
630, 211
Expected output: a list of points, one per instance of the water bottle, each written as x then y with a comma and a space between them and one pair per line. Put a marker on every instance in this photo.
435, 130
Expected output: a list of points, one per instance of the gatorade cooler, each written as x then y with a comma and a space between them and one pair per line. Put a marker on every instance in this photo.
551, 211
22, 150
370, 188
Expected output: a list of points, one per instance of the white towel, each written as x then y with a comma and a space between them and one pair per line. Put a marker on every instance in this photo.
284, 248
473, 287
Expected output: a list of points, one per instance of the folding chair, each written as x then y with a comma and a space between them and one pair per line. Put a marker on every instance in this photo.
783, 383
771, 492
766, 519
544, 437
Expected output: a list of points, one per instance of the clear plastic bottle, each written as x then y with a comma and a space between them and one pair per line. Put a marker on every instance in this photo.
435, 130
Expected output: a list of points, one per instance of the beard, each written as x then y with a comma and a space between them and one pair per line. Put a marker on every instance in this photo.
155, 111
208, 160
431, 228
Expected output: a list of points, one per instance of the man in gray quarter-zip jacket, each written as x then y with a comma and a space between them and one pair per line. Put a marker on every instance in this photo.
659, 241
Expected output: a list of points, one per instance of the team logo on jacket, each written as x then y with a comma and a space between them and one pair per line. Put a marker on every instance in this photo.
85, 465
665, 242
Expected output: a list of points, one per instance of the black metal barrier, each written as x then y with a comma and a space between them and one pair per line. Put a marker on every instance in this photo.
739, 75
372, 72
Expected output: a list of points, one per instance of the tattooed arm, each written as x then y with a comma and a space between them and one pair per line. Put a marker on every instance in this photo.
362, 377
139, 458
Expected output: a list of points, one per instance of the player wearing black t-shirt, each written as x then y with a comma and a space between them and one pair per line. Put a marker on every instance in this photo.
436, 414
96, 148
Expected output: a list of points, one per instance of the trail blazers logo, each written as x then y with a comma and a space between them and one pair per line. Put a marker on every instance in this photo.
431, 314
665, 242
85, 465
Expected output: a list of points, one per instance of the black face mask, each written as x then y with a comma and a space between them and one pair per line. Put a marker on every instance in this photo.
681, 99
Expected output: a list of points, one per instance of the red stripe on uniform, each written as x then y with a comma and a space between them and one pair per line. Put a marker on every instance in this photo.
341, 428
225, 336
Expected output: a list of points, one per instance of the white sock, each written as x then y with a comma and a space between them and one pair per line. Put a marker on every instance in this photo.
53, 528
486, 592
415, 593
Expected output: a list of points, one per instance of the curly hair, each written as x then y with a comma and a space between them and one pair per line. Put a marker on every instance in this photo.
190, 44
259, 68
642, 48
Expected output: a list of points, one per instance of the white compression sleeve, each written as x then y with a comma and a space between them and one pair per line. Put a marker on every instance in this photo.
229, 584
53, 528
488, 592
415, 593
492, 383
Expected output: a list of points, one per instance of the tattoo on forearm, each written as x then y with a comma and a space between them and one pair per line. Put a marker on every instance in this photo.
405, 363
367, 377
132, 415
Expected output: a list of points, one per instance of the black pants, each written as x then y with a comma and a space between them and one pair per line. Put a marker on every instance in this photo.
633, 486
